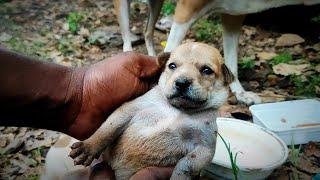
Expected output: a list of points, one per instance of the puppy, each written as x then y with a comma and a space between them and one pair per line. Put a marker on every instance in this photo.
174, 124
122, 11
233, 13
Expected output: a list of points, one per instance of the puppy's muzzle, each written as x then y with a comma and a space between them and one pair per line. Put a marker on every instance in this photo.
182, 84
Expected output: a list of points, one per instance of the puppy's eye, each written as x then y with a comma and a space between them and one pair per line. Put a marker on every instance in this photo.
172, 66
206, 70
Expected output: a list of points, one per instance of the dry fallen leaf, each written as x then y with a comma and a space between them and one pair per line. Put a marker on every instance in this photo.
288, 69
311, 149
305, 165
266, 55
40, 138
268, 96
289, 40
10, 130
13, 146
84, 32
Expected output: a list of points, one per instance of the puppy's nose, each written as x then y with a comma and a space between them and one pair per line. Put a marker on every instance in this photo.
182, 84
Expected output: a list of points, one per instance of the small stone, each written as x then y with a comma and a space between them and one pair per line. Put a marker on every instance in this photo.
289, 40
165, 23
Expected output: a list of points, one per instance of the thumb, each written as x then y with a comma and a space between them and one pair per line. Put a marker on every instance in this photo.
148, 66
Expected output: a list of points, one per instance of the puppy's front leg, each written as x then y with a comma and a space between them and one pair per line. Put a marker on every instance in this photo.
84, 152
191, 164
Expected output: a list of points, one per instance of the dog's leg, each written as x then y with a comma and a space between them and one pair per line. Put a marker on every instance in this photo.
122, 11
192, 164
84, 152
154, 11
177, 33
231, 32
186, 13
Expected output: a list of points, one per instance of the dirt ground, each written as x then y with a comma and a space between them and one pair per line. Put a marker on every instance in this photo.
273, 64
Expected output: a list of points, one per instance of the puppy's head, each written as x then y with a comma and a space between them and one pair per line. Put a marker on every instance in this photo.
195, 77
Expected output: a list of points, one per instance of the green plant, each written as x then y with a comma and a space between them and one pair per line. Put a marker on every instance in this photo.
233, 159
206, 29
73, 20
37, 152
168, 8
294, 154
33, 177
247, 63
294, 158
281, 58
308, 87
316, 19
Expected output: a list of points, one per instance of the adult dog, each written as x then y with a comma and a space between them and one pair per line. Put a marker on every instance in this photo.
188, 11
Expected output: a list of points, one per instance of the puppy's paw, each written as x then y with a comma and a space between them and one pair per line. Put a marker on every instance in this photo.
248, 97
82, 154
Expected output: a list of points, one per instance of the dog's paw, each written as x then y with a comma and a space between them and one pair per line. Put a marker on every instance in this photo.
82, 154
248, 97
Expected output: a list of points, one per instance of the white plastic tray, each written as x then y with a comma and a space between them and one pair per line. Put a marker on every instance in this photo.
296, 122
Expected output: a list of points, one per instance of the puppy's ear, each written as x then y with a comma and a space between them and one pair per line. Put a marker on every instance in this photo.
162, 59
227, 75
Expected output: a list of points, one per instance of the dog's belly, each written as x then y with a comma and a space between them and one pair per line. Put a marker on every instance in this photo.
153, 139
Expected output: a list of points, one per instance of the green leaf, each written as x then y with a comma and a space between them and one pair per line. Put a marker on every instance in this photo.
206, 29
247, 63
73, 20
281, 58
168, 8
233, 160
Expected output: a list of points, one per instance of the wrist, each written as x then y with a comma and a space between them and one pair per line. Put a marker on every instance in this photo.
73, 98
37, 94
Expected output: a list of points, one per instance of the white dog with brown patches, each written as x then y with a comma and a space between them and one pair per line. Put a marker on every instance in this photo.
174, 124
188, 11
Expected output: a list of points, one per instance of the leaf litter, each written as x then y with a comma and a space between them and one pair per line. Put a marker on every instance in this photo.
277, 66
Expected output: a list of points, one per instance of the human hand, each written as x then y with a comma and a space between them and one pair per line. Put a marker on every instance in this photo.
103, 171
108, 84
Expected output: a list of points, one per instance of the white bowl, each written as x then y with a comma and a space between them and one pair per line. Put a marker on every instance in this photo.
259, 151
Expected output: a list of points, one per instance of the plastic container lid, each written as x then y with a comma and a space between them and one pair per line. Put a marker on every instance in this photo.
288, 115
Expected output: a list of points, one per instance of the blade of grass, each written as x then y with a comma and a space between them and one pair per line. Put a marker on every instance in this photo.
233, 159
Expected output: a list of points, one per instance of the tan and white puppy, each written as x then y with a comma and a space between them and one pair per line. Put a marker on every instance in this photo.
122, 8
233, 13
174, 124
